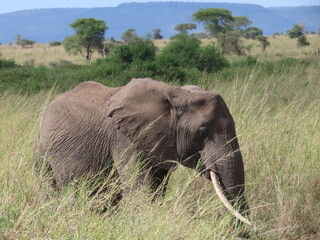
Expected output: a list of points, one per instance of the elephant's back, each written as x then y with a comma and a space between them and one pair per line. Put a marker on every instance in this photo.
91, 94
86, 99
71, 109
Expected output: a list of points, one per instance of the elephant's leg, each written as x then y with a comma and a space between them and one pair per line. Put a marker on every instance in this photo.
159, 181
44, 172
135, 169
155, 178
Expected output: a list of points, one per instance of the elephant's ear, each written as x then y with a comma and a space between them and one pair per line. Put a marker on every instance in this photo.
142, 111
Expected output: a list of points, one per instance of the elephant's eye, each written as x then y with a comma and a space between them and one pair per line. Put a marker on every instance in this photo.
203, 132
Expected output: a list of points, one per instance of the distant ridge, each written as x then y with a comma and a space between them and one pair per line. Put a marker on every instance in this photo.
45, 25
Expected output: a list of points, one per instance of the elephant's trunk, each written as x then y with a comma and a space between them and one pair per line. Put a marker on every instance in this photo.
224, 200
227, 176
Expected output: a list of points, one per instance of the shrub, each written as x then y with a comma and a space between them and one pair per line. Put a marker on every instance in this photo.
130, 35
230, 42
138, 50
186, 52
210, 59
109, 66
183, 51
7, 63
263, 42
246, 61
54, 43
252, 32
123, 53
302, 41
25, 43
62, 64
295, 32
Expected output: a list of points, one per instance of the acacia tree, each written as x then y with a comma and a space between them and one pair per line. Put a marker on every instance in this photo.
89, 36
230, 42
25, 43
264, 43
240, 22
183, 28
252, 32
130, 35
156, 34
216, 20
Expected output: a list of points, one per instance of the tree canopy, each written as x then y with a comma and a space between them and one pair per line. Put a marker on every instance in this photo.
25, 43
129, 35
252, 32
264, 43
185, 27
89, 36
296, 31
216, 20
156, 34
240, 22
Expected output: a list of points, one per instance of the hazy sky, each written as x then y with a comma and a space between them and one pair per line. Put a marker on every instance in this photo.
15, 5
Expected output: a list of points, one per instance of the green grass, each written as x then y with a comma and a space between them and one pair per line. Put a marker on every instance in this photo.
276, 107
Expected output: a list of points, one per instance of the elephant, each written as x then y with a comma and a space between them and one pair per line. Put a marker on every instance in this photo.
94, 128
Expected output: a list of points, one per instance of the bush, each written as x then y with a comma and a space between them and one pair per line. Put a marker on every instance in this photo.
295, 32
109, 66
263, 42
186, 52
62, 64
123, 53
7, 63
230, 42
138, 50
183, 51
252, 32
54, 43
302, 41
183, 58
246, 61
210, 59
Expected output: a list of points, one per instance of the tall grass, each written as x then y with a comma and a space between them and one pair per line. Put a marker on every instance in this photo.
276, 110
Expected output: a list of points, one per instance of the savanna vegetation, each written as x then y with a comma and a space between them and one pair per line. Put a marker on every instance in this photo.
272, 92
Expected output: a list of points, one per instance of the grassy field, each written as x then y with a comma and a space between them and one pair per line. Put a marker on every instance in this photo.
276, 106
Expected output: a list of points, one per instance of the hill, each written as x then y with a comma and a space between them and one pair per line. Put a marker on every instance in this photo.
44, 25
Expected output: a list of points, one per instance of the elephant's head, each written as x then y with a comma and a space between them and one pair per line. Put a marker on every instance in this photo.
182, 124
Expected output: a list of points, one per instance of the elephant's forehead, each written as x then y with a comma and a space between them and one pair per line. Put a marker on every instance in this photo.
203, 101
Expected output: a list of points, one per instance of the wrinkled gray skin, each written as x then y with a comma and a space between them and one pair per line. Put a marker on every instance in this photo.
92, 128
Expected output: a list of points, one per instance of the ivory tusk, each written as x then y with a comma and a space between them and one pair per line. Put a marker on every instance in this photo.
224, 200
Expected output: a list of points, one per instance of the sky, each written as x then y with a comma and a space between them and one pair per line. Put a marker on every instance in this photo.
15, 5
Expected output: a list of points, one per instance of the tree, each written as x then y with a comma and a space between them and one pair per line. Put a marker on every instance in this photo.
89, 36
199, 35
240, 22
54, 43
296, 31
183, 28
215, 20
25, 43
129, 35
230, 42
302, 41
156, 34
263, 42
252, 32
